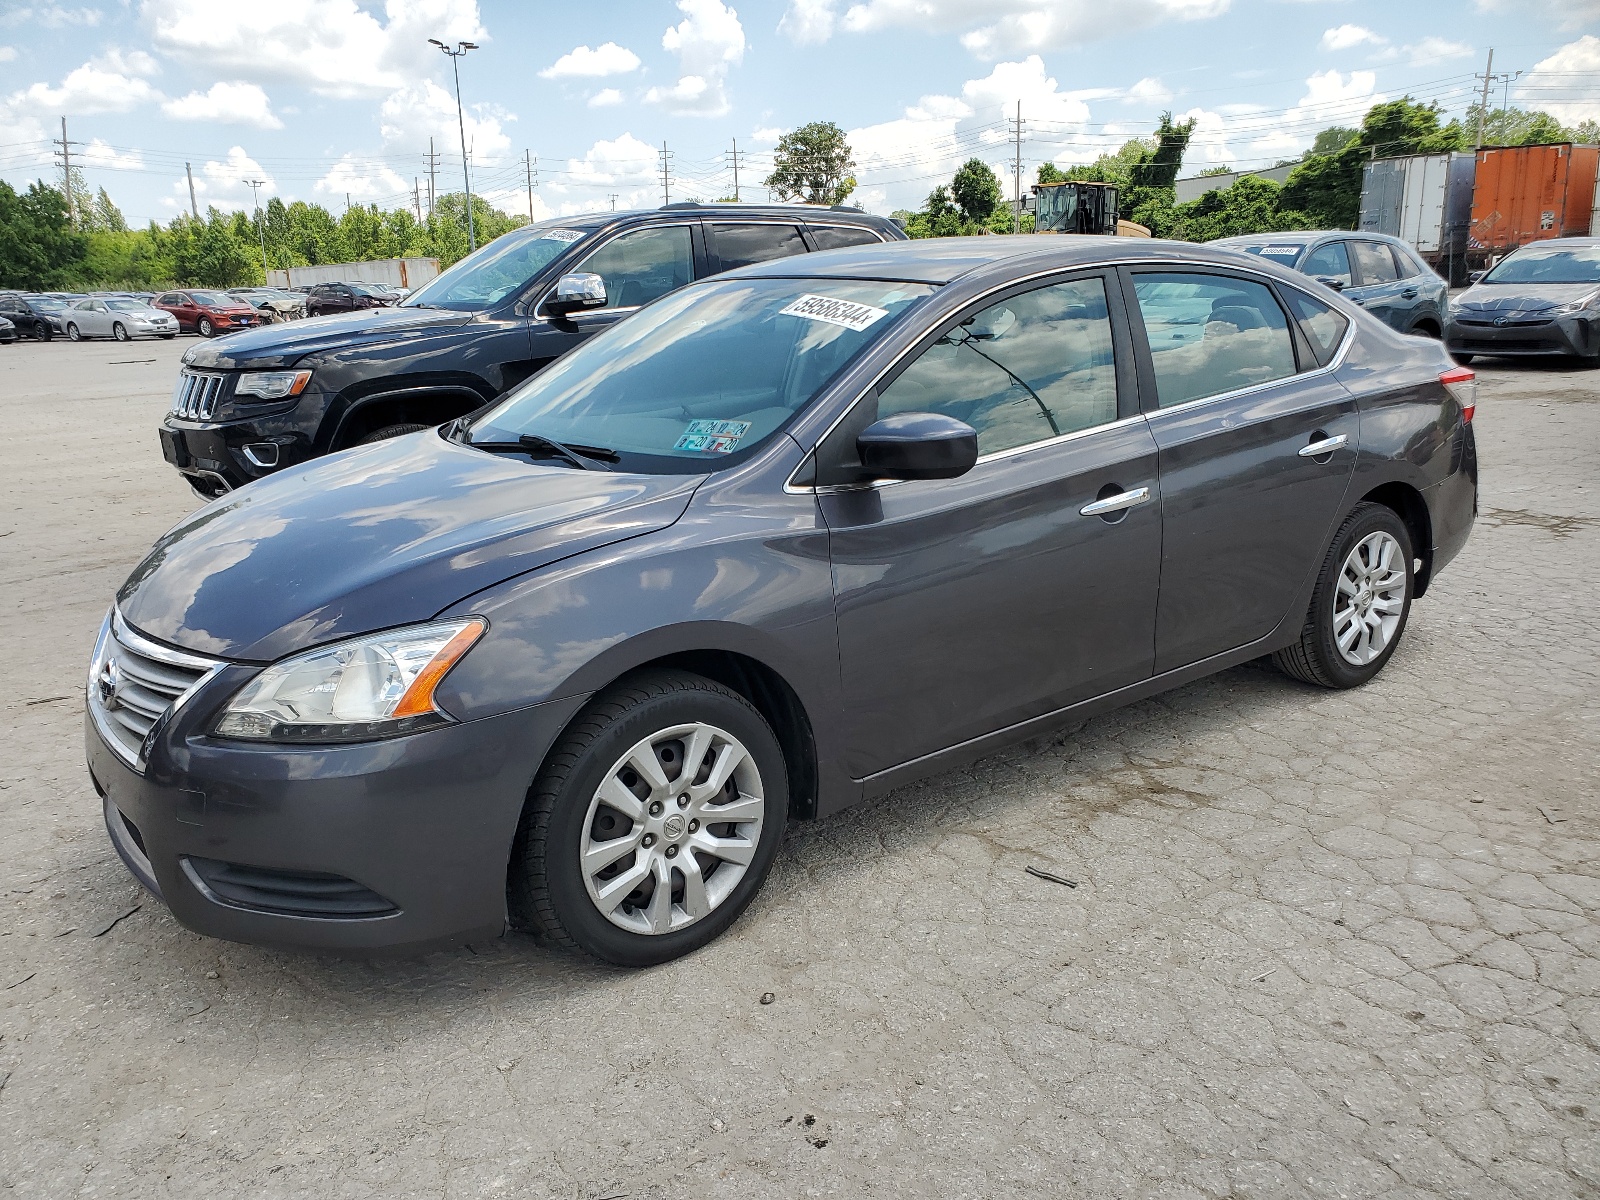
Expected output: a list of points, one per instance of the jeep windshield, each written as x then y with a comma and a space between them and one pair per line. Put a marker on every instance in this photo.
699, 379
491, 273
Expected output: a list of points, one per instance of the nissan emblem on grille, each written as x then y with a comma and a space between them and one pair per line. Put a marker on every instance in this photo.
110, 678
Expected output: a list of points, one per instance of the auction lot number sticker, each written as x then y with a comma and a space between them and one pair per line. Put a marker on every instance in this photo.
847, 313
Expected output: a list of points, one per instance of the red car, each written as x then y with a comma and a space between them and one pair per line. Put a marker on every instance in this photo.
207, 313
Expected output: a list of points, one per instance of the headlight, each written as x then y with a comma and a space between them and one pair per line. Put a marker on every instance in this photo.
355, 691
1592, 300
272, 385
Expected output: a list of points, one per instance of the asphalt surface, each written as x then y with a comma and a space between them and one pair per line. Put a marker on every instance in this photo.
1321, 944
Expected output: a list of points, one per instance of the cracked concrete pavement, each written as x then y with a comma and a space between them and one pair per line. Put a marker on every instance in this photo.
1323, 944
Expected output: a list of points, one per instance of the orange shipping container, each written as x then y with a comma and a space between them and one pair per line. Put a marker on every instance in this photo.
1524, 194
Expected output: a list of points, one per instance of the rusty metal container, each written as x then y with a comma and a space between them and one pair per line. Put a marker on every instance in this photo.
1524, 194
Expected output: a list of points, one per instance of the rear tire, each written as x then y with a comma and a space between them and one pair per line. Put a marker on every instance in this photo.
686, 729
390, 431
73, 335
1361, 603
120, 332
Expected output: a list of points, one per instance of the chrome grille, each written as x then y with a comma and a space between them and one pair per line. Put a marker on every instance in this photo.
197, 395
134, 683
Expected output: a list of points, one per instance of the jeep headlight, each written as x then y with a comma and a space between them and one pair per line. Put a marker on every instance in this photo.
355, 691
272, 385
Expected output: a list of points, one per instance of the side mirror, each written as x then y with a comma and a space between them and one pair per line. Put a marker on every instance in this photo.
918, 446
1475, 277
575, 293
1329, 281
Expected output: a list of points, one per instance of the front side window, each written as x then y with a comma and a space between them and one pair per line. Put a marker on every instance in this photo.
834, 237
709, 374
1324, 328
643, 265
1211, 334
741, 245
1329, 262
1375, 261
1032, 367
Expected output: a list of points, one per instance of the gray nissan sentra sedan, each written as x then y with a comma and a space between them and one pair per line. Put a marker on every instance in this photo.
782, 541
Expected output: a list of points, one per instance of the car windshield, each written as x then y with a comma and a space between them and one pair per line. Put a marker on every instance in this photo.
127, 305
491, 274
49, 305
213, 299
1549, 264
1279, 252
704, 375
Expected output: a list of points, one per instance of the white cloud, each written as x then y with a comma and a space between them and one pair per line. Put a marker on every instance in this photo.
768, 135
1569, 14
1435, 49
227, 103
624, 161
221, 184
605, 97
708, 42
88, 89
1148, 91
582, 62
1004, 26
411, 115
1249, 137
808, 22
335, 47
1561, 84
51, 16
362, 180
98, 154
1342, 37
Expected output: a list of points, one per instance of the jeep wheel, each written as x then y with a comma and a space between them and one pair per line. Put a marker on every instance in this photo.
390, 431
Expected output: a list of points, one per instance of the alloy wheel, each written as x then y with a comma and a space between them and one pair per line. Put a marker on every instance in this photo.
73, 334
120, 332
672, 829
1370, 599
206, 328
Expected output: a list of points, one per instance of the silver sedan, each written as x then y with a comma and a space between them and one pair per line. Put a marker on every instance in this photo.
115, 317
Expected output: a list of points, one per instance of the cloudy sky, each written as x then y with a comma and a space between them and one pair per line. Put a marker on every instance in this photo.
328, 99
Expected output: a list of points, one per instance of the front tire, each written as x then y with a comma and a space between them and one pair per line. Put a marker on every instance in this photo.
390, 431
1360, 605
120, 332
653, 822
205, 328
73, 335
42, 332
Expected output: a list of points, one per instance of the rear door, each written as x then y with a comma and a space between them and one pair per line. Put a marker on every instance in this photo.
967, 605
1235, 395
1329, 264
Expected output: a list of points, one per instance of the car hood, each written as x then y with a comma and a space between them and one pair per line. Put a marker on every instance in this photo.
375, 537
1507, 298
284, 345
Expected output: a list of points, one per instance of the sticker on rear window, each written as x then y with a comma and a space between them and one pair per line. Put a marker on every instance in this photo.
835, 312
1279, 251
561, 235
712, 437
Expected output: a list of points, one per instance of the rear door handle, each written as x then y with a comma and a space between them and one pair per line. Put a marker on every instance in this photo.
1117, 503
1325, 446
1409, 294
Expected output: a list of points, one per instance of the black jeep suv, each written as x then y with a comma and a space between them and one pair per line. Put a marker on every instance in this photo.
260, 400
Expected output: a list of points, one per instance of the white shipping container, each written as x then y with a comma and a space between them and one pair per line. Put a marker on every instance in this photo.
1425, 199
409, 273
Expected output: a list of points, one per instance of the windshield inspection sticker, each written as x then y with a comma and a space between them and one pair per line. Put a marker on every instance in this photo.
712, 437
835, 312
1279, 251
561, 235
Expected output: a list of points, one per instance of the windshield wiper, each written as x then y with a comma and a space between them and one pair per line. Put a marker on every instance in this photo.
585, 458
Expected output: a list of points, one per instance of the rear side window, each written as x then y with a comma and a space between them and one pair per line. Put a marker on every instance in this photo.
834, 237
1032, 367
1375, 261
1211, 334
741, 245
1329, 262
1324, 328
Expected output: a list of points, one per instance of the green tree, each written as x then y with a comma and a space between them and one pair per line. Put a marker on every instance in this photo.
107, 216
38, 246
813, 164
1332, 140
1515, 127
1251, 205
975, 190
1048, 172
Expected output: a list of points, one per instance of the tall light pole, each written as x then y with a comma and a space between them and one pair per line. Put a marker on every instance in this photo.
461, 121
261, 221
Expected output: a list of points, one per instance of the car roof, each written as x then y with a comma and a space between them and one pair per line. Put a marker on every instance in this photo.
944, 260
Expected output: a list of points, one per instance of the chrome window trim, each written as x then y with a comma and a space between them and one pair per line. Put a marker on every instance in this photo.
1337, 361
877, 233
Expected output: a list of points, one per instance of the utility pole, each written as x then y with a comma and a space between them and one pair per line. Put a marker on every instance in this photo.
1483, 104
736, 170
666, 174
456, 56
193, 207
416, 196
66, 173
1016, 212
261, 220
613, 202
433, 170
528, 162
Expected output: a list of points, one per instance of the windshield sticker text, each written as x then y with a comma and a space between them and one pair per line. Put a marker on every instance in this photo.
835, 312
1280, 251
561, 235
712, 437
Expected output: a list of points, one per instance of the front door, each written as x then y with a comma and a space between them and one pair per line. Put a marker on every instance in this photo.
967, 605
1238, 399
1379, 288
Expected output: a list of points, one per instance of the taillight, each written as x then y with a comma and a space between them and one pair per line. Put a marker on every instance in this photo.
1463, 385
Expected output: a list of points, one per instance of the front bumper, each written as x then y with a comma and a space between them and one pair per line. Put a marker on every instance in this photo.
424, 824
220, 456
1572, 336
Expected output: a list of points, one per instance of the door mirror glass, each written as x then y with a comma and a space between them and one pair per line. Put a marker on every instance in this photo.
576, 292
918, 445
1476, 277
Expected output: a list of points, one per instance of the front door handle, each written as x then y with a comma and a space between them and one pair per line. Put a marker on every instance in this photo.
1117, 503
1325, 446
